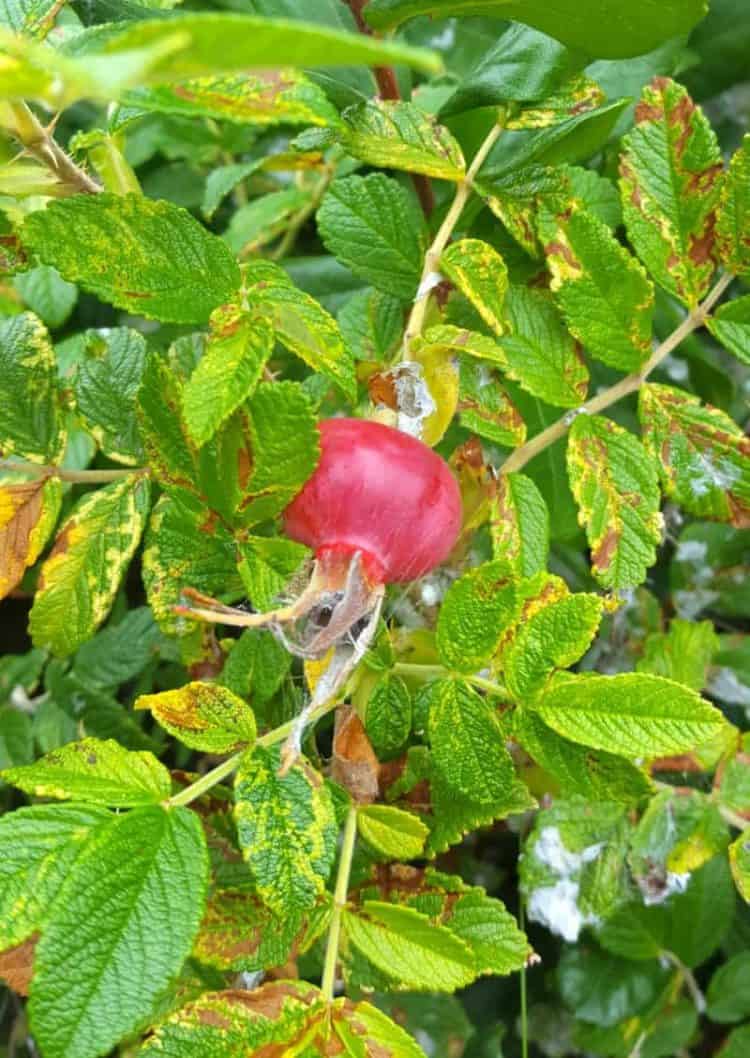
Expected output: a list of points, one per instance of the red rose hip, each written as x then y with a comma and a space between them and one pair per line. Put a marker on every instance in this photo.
379, 492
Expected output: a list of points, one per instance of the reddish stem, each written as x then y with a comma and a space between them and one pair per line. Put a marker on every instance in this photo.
385, 77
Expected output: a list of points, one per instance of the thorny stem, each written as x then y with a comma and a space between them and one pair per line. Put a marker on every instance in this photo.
40, 144
223, 770
439, 243
629, 384
83, 477
328, 980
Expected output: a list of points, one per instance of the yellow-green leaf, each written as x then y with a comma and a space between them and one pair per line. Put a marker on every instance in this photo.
30, 420
733, 221
396, 834
481, 275
615, 483
81, 575
670, 174
204, 716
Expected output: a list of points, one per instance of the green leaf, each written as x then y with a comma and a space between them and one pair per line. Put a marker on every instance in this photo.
468, 743
679, 832
119, 652
702, 455
184, 548
308, 331
31, 423
203, 716
633, 715
730, 325
683, 654
238, 346
371, 324
120, 930
578, 770
28, 514
150, 258
285, 448
236, 1023
261, 220
266, 566
32, 17
396, 834
400, 136
364, 1031
388, 714
239, 933
39, 846
553, 637
476, 611
106, 385
607, 29
286, 828
222, 180
523, 65
47, 294
200, 44
100, 773
670, 173
615, 483
734, 213
540, 354
374, 226
445, 340
603, 990
261, 98
737, 1043
739, 860
82, 573
256, 666
481, 275
16, 738
169, 452
604, 293
485, 408
575, 96
519, 524
405, 946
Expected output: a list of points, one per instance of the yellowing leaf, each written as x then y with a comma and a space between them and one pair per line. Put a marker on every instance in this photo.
615, 483
733, 222
396, 834
82, 573
28, 513
30, 420
702, 455
481, 275
670, 181
203, 716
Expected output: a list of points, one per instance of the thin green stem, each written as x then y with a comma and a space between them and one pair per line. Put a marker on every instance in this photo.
84, 477
300, 218
524, 1009
426, 672
432, 257
225, 769
688, 979
629, 384
734, 818
490, 686
328, 980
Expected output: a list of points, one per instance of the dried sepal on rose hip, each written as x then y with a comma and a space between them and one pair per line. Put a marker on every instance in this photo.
380, 508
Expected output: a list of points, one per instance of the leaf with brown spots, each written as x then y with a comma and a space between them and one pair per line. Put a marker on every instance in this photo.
519, 524
615, 484
604, 293
573, 97
670, 181
702, 454
484, 406
279, 1019
733, 223
17, 965
28, 513
203, 716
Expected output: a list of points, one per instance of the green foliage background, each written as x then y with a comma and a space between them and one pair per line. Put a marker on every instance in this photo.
534, 253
